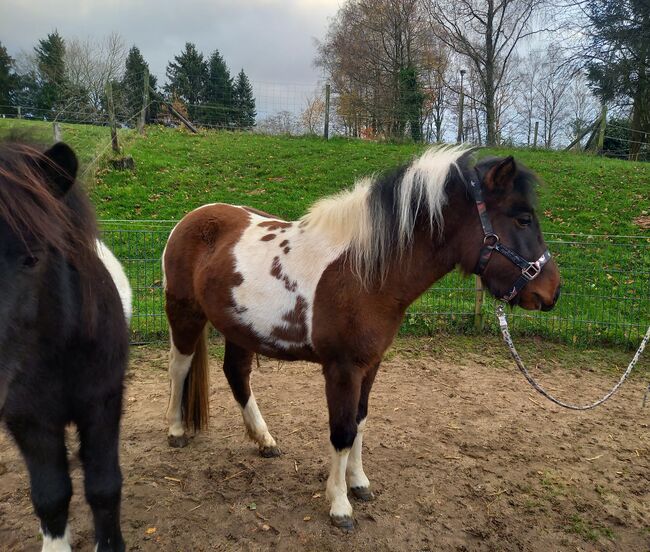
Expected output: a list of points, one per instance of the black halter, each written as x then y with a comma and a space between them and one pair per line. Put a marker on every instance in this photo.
491, 242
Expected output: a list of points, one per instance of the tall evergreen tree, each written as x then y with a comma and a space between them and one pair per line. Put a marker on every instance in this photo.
619, 59
133, 83
50, 57
219, 94
187, 76
244, 102
8, 79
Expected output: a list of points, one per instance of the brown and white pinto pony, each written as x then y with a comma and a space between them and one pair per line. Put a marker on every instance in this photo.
333, 288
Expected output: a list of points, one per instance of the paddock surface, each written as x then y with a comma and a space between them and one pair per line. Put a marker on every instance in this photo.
460, 453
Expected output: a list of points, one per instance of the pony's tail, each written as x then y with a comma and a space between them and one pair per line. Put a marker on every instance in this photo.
196, 403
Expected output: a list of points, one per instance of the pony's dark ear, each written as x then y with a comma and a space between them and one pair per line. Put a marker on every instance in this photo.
60, 166
501, 177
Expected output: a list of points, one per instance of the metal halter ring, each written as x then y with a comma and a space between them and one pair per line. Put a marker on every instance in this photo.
488, 238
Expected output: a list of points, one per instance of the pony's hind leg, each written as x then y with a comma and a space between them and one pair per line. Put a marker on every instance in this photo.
99, 428
237, 367
357, 479
343, 390
45, 455
185, 329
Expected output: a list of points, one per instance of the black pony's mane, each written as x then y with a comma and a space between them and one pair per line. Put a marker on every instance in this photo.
30, 207
42, 219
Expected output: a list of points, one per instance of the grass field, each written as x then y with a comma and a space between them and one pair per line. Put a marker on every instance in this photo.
606, 293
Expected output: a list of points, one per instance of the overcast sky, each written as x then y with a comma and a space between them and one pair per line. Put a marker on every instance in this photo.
272, 40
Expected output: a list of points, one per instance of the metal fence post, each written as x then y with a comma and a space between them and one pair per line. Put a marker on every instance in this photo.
326, 132
479, 296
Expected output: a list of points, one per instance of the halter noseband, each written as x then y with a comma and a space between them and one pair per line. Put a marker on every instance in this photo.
491, 242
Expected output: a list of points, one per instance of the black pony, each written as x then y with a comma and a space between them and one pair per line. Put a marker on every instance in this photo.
63, 340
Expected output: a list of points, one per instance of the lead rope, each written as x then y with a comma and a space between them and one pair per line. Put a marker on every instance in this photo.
503, 324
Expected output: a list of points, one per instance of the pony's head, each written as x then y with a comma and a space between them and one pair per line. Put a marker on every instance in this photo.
505, 242
42, 215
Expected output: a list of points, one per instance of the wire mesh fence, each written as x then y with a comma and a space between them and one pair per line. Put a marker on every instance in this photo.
605, 290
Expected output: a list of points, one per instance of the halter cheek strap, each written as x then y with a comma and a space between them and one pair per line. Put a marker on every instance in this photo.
491, 242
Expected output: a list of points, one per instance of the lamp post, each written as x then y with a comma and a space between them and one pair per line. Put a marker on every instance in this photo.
461, 105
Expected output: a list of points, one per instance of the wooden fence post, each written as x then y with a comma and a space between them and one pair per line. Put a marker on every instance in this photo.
479, 296
56, 127
145, 102
326, 132
20, 113
601, 130
535, 134
111, 117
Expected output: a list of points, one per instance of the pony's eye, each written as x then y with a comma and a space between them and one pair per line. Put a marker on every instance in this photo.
524, 220
30, 261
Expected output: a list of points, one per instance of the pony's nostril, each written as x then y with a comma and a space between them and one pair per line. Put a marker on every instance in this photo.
557, 294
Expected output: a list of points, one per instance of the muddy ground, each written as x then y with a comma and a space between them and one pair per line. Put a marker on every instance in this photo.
460, 452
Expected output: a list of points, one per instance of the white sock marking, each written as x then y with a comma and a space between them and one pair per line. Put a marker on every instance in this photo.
59, 544
179, 366
337, 490
356, 475
255, 424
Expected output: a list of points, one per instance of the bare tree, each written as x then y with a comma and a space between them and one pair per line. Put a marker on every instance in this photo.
313, 116
582, 106
90, 64
487, 32
552, 90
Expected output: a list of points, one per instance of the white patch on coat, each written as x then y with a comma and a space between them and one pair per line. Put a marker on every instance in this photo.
118, 275
337, 489
179, 367
59, 544
356, 475
261, 301
255, 424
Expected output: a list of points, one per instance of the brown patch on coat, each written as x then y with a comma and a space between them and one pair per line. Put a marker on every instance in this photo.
275, 224
286, 250
276, 272
295, 330
268, 237
237, 279
284, 243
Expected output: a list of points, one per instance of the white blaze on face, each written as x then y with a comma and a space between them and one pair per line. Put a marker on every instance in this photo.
119, 277
276, 280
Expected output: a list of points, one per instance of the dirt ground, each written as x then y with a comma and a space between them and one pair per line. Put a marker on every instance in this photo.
460, 453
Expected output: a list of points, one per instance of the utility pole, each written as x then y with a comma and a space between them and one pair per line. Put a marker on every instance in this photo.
461, 105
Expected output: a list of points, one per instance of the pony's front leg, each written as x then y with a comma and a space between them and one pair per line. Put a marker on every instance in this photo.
343, 387
45, 455
359, 483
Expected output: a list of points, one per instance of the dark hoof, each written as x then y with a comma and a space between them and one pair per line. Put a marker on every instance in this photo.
179, 441
343, 522
362, 493
270, 452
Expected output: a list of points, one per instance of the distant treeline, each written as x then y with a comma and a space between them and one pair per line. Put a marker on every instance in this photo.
67, 81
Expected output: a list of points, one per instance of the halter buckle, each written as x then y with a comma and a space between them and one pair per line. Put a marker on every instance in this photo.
531, 271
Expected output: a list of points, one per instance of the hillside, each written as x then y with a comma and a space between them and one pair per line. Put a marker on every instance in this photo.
177, 171
606, 293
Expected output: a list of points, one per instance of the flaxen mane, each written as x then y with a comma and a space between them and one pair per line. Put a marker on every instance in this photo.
375, 220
